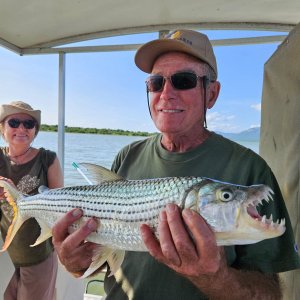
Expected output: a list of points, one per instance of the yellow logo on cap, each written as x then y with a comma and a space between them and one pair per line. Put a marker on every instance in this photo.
175, 35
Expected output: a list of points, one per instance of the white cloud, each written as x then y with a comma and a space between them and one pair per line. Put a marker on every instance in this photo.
256, 106
221, 122
255, 126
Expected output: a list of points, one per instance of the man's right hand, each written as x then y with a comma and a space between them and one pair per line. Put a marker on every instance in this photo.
72, 249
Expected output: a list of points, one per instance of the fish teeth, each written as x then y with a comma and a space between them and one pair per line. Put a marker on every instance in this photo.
270, 194
269, 221
271, 218
278, 223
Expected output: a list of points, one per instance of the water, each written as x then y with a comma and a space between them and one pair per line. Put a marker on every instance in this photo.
93, 148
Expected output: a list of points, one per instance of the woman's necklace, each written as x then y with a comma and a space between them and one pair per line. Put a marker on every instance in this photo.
15, 157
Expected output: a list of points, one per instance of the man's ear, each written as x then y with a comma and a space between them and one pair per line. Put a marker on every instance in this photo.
213, 93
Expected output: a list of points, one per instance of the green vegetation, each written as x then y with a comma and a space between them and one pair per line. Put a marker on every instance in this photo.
53, 128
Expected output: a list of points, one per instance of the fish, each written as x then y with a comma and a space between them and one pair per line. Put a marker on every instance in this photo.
123, 205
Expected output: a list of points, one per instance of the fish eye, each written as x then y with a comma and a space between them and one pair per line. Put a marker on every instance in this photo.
225, 195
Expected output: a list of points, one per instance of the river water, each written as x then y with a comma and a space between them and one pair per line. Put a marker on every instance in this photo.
92, 148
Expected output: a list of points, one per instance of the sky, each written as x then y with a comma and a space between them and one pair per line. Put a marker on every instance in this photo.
107, 90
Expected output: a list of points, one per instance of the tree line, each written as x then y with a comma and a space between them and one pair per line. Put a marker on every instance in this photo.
53, 128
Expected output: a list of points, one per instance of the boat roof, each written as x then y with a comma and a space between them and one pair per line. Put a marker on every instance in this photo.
36, 26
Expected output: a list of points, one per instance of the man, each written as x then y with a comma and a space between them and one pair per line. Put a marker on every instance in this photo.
181, 87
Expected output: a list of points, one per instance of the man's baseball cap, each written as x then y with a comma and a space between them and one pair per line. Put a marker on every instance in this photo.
188, 41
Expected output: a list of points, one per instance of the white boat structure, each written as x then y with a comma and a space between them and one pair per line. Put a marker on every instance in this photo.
49, 27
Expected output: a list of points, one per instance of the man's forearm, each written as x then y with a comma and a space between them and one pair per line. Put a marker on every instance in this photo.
239, 284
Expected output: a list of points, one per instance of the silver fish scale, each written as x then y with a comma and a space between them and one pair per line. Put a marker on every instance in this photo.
122, 206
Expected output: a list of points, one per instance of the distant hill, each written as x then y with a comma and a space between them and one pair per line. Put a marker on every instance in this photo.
251, 135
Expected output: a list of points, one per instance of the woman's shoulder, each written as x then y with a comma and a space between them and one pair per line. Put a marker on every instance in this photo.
47, 156
47, 151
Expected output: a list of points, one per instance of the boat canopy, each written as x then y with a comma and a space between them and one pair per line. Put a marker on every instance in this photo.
40, 26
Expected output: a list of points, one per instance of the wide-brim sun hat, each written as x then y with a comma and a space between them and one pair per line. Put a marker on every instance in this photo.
18, 107
187, 41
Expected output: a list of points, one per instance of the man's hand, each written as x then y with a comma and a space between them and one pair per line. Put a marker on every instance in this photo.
191, 257
200, 259
73, 252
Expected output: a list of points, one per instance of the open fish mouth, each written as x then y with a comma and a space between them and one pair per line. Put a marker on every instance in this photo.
250, 226
251, 213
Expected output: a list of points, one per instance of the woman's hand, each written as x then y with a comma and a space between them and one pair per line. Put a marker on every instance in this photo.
2, 193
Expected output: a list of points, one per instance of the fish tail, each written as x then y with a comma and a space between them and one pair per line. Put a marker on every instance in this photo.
12, 194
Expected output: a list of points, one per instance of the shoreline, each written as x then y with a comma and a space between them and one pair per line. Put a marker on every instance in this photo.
87, 130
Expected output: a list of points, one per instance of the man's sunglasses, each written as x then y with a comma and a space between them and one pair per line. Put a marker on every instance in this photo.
15, 123
179, 81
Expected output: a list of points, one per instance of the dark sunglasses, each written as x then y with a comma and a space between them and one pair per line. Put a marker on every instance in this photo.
15, 123
179, 81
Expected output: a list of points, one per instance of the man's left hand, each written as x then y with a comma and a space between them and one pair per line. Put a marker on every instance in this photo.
191, 257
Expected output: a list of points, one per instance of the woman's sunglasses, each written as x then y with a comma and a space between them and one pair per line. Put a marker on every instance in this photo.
15, 123
180, 81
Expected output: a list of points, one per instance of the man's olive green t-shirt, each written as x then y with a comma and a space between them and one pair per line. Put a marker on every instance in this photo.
142, 277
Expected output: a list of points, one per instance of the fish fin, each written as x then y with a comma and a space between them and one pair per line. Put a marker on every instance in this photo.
12, 230
45, 234
12, 194
102, 255
97, 174
115, 260
99, 259
43, 189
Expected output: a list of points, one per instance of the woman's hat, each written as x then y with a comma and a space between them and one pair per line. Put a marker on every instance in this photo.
187, 41
18, 107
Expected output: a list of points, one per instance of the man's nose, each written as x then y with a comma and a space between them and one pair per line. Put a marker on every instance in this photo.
167, 88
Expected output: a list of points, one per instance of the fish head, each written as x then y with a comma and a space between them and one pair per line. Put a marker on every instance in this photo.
231, 211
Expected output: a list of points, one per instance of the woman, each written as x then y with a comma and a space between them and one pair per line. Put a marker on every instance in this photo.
27, 168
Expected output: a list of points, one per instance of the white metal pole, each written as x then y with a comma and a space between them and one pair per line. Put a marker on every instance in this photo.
61, 109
